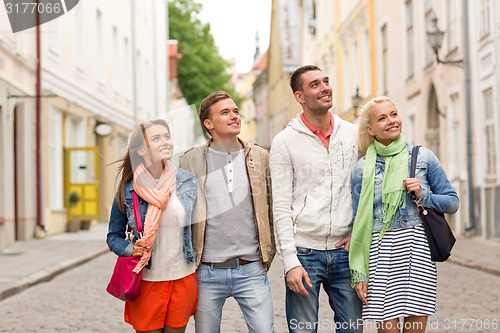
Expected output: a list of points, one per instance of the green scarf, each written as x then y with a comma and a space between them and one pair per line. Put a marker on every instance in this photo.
393, 196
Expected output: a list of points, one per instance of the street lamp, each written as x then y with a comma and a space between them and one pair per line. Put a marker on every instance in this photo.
435, 38
356, 101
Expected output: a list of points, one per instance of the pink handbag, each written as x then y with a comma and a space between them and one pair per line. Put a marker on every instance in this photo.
124, 283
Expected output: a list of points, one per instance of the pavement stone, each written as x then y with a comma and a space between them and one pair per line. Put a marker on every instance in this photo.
52, 283
39, 260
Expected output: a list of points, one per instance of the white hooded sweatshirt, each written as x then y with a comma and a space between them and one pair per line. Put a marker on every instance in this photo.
311, 186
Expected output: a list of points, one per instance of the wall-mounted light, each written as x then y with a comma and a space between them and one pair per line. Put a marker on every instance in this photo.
103, 129
357, 102
435, 39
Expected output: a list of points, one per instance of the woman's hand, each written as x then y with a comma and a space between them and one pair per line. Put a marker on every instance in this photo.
139, 250
361, 291
413, 185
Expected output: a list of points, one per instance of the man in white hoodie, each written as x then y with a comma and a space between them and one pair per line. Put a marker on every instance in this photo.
311, 162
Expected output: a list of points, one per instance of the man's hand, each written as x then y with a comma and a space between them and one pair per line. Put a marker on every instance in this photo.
346, 242
294, 280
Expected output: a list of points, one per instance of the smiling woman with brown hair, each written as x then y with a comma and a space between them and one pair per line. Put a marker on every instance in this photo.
167, 195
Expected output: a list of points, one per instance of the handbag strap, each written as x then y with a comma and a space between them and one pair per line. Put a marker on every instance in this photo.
137, 211
413, 166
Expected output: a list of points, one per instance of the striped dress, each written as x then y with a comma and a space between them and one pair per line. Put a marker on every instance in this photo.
403, 278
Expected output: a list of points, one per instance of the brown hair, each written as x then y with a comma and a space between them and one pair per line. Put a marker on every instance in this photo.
364, 121
132, 159
295, 82
208, 102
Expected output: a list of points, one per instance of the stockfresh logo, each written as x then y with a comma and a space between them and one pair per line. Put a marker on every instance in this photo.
26, 14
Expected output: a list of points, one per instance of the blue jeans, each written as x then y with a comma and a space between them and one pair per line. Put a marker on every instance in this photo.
248, 285
330, 269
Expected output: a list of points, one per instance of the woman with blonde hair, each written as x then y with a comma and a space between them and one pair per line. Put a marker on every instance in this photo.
166, 197
389, 256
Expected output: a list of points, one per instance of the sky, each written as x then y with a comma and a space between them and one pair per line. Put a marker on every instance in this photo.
234, 23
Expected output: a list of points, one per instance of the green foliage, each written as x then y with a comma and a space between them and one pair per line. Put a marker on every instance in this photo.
201, 70
73, 198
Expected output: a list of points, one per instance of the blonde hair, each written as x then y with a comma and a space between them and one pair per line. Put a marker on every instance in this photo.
364, 138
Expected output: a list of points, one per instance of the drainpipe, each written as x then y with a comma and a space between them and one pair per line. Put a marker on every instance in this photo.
39, 220
16, 182
470, 187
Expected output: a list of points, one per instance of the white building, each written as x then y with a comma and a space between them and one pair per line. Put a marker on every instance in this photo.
17, 133
107, 63
103, 62
484, 25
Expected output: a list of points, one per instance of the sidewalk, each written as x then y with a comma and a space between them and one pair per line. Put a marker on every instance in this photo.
27, 263
477, 253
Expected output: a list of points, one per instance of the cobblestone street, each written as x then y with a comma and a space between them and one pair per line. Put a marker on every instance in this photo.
76, 301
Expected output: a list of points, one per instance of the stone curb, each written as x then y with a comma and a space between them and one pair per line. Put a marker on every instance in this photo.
50, 272
471, 264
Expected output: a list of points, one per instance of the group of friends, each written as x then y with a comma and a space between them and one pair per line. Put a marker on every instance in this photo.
213, 225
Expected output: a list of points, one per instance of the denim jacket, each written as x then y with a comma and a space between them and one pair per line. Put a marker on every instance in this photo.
186, 188
437, 192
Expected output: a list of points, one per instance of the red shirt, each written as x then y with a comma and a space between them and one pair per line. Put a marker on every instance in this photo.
325, 138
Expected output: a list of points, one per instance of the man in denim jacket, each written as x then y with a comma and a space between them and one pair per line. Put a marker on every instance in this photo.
311, 162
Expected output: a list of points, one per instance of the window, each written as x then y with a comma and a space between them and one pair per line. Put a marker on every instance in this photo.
3, 160
100, 68
54, 32
489, 130
330, 13
343, 10
410, 54
332, 61
367, 68
311, 13
116, 62
55, 159
128, 70
412, 132
347, 81
453, 24
485, 17
384, 59
325, 65
429, 52
454, 112
139, 80
355, 67
79, 41
75, 132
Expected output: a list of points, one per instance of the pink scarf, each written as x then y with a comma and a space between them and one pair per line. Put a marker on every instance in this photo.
157, 195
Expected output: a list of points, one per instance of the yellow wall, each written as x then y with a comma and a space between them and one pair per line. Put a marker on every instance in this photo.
109, 151
247, 107
282, 104
348, 30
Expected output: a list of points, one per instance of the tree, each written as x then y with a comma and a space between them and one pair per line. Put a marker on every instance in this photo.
201, 70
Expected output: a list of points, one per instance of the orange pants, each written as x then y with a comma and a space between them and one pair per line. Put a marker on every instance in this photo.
163, 303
